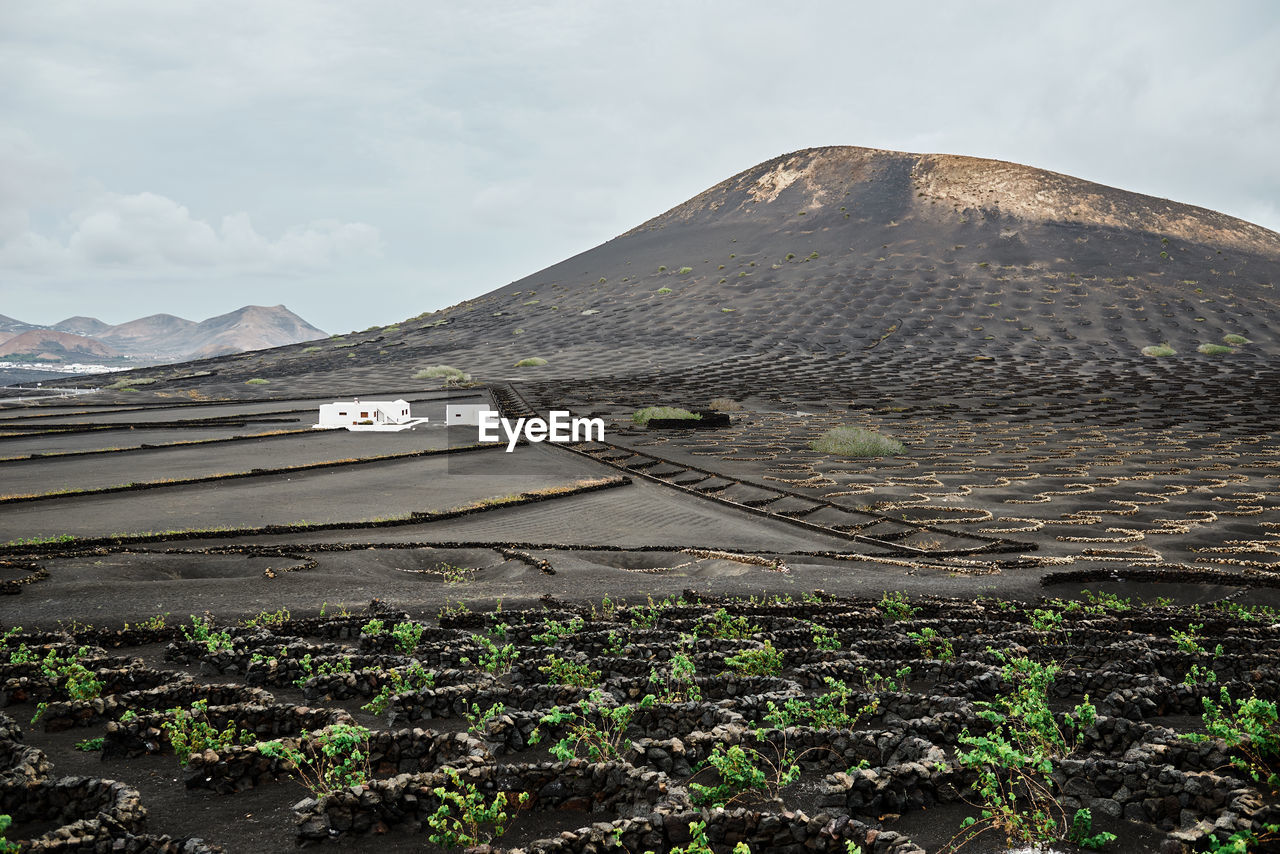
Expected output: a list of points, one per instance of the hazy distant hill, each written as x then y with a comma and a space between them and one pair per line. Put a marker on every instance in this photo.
90, 326
253, 327
159, 337
9, 326
159, 334
48, 345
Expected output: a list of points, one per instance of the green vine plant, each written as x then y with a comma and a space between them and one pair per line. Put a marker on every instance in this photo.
493, 659
478, 722
276, 619
189, 731
6, 846
615, 644
896, 607
699, 844
1014, 760
743, 772
933, 645
594, 729
328, 667
325, 761
675, 681
646, 617
1248, 727
79, 682
1189, 643
564, 672
406, 636
825, 638
831, 709
201, 631
763, 661
726, 627
556, 631
1050, 624
465, 817
414, 678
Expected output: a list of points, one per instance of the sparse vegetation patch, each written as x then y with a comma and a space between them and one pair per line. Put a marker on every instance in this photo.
1158, 350
644, 416
856, 442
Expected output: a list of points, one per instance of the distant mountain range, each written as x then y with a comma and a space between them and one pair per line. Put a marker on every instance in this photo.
158, 337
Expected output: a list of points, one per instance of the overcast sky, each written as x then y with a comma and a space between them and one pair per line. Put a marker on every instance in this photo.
364, 162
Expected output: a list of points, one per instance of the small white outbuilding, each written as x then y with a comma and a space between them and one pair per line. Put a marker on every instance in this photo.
464, 414
357, 414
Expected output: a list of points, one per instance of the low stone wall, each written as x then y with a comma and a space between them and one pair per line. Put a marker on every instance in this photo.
872, 792
1167, 798
242, 767
145, 733
368, 682
61, 716
612, 787
21, 764
452, 701
85, 806
775, 833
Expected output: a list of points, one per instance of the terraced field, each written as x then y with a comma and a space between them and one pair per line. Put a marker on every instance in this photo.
806, 724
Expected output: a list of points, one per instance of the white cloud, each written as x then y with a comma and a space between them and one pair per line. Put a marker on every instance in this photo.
147, 232
487, 140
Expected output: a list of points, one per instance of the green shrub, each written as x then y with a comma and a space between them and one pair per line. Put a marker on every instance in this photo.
415, 678
1158, 350
896, 606
127, 385
1235, 339
444, 371
743, 770
855, 442
643, 416
724, 404
825, 638
1214, 349
6, 847
564, 672
532, 362
664, 290
765, 661
595, 730
831, 710
190, 732
684, 270
256, 381
557, 631
407, 636
1251, 728
465, 818
334, 758
1015, 758
932, 644
493, 659
727, 627
676, 680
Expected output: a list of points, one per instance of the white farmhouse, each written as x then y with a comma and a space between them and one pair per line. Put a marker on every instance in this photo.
378, 415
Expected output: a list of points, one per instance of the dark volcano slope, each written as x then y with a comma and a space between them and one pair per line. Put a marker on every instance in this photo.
858, 254
843, 248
